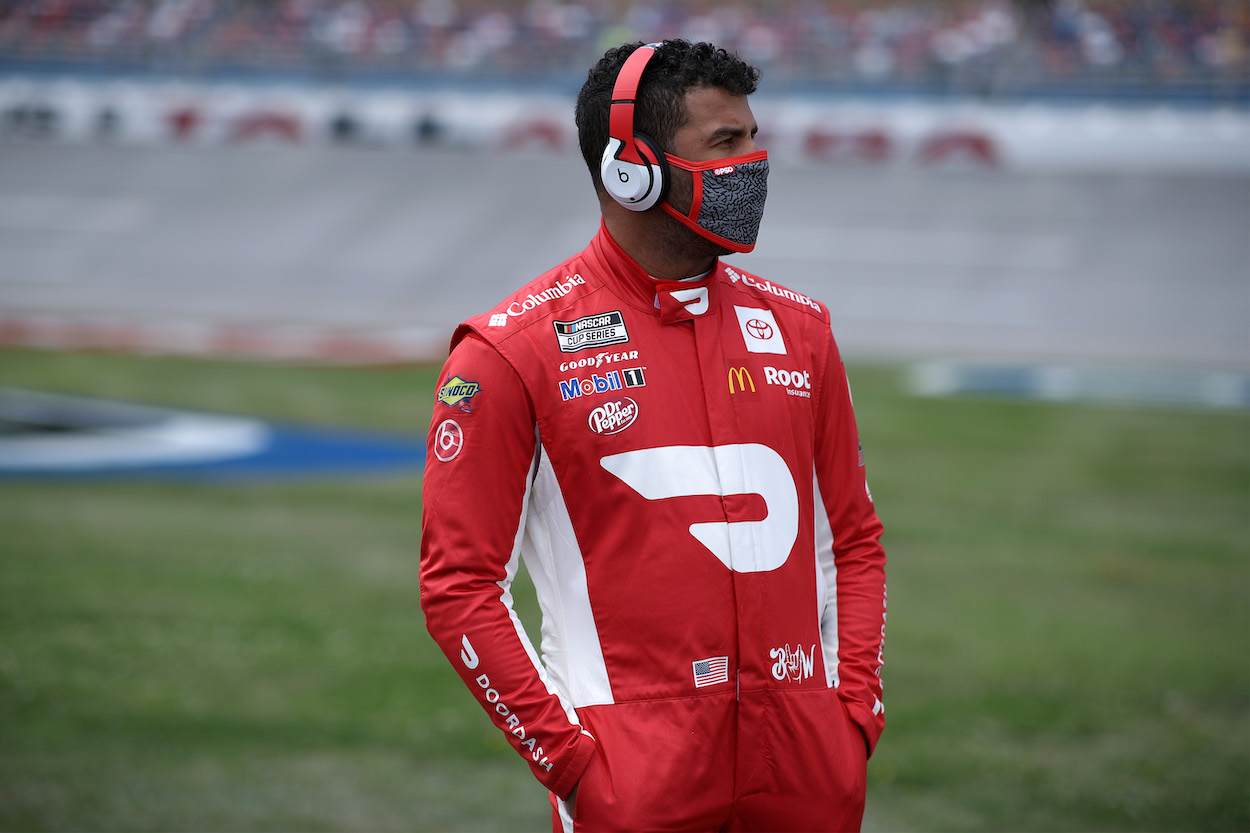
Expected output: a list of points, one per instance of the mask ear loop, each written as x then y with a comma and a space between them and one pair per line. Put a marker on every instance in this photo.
716, 164
696, 196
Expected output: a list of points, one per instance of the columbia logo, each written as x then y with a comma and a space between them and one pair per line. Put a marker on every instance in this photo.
499, 319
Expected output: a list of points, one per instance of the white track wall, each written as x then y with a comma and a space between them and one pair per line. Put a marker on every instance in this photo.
1020, 137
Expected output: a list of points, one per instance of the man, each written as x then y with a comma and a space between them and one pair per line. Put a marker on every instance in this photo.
668, 443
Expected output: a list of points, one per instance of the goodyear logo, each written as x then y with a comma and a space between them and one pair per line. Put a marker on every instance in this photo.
740, 380
457, 392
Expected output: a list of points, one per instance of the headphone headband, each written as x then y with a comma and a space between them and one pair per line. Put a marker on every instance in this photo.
624, 95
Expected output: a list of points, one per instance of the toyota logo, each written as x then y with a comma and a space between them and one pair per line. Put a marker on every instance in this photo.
759, 329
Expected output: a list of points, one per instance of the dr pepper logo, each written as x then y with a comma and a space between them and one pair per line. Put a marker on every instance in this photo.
613, 417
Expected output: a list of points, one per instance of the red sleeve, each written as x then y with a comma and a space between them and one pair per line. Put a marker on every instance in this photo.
858, 582
480, 453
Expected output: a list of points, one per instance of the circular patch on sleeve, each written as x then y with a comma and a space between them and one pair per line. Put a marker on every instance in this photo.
448, 440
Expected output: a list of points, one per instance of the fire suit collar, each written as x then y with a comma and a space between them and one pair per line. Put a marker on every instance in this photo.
672, 301
682, 300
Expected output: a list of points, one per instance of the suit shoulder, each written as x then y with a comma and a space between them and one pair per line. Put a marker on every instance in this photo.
554, 290
749, 286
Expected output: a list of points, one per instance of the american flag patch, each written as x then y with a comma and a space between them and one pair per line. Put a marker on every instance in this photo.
711, 671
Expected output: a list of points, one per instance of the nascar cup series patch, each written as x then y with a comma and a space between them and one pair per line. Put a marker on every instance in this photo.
592, 331
457, 392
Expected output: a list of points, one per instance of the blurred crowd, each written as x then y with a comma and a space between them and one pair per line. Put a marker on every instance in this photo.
983, 47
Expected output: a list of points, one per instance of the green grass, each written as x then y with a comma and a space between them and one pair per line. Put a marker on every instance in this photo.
1069, 644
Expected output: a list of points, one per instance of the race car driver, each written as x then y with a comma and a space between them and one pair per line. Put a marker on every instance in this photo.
668, 444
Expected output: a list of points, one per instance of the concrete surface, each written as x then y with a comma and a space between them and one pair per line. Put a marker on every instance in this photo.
1136, 267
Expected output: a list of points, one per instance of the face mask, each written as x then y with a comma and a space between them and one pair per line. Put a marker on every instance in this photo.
728, 199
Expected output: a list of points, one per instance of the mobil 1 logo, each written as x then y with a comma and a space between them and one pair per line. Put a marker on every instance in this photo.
592, 331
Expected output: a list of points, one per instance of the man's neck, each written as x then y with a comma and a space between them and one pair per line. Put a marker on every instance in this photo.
660, 256
690, 279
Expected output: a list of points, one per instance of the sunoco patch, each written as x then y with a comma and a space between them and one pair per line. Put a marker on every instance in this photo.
457, 392
592, 331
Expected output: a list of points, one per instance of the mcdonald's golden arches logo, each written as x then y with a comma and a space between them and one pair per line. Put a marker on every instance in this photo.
740, 379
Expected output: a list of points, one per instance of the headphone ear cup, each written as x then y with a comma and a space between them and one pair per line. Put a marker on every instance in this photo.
636, 187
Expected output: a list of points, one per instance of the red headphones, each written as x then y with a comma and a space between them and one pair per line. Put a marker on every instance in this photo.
633, 170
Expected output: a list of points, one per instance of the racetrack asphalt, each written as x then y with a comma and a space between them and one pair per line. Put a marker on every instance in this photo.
912, 262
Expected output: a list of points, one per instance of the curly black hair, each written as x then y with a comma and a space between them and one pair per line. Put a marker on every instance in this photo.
677, 67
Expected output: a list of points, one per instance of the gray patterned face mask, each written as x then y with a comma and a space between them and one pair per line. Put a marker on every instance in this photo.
728, 199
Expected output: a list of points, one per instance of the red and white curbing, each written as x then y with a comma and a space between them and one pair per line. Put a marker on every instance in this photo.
330, 345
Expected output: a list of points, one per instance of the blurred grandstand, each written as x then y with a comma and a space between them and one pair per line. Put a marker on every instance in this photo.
1147, 51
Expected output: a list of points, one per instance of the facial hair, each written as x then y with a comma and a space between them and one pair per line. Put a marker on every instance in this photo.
676, 237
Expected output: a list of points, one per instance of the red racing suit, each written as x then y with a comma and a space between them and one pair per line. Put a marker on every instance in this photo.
677, 463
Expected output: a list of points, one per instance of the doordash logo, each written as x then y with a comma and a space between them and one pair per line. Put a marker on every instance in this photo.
675, 472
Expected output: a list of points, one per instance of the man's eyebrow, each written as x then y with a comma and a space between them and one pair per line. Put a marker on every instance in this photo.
722, 133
